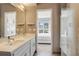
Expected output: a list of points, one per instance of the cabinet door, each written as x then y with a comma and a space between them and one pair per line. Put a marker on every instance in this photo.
33, 46
28, 48
27, 52
23, 50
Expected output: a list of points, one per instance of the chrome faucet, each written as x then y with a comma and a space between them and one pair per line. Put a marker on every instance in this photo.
10, 40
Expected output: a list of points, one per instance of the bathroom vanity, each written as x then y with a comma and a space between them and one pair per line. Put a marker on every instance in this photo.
11, 43
23, 45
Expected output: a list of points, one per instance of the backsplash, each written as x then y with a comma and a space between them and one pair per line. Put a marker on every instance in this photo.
31, 28
20, 29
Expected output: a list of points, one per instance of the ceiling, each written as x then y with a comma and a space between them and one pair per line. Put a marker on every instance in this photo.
22, 6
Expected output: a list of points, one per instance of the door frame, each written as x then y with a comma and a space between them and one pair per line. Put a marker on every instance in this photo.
51, 18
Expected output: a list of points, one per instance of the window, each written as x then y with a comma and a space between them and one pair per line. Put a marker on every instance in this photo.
43, 25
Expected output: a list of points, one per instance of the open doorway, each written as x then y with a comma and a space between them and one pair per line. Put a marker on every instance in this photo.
44, 32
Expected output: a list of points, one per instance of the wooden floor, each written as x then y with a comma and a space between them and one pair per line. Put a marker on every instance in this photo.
44, 50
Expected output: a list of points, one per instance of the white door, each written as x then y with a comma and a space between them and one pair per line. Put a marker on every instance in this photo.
71, 33
9, 24
63, 36
67, 39
44, 17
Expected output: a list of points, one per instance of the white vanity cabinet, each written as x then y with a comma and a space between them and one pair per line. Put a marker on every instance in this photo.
22, 46
26, 49
67, 37
33, 46
23, 50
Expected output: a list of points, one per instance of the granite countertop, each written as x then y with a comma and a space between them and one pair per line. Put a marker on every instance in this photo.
18, 41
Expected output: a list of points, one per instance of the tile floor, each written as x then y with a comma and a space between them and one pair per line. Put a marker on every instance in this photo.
44, 50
